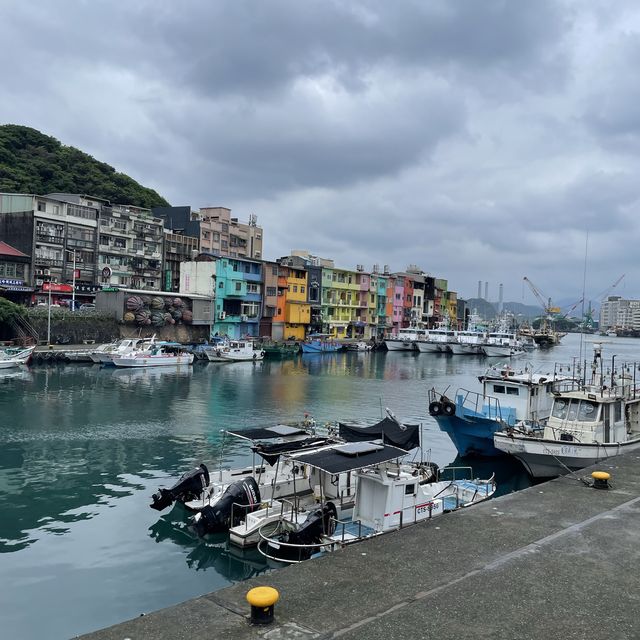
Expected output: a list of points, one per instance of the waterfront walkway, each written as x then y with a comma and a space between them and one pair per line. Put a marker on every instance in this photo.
559, 560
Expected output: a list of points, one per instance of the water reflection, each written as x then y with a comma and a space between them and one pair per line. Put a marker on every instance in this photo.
213, 553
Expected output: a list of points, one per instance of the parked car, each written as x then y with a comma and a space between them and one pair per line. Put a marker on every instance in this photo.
88, 306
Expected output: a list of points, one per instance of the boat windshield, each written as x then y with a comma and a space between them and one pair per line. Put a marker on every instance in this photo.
575, 410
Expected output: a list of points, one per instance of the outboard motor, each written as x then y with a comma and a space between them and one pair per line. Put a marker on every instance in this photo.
189, 487
240, 498
319, 522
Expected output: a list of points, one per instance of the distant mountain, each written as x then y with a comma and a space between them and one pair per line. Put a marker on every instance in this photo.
31, 162
489, 310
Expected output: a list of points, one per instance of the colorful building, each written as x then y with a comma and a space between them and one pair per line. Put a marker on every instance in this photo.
238, 297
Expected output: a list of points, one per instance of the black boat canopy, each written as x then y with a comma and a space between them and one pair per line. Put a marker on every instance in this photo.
405, 436
271, 451
349, 457
269, 433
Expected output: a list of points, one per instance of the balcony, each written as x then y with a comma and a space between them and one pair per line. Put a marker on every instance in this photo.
47, 262
43, 237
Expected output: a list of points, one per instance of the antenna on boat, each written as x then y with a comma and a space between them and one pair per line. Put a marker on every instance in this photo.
584, 284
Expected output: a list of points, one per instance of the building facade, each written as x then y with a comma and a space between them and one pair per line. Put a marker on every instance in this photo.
238, 297
620, 313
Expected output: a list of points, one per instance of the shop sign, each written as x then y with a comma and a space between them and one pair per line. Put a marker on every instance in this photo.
57, 288
17, 283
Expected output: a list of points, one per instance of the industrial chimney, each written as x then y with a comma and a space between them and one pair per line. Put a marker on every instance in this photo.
479, 288
486, 291
500, 298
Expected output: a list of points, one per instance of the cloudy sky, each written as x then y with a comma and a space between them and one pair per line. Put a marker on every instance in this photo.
479, 139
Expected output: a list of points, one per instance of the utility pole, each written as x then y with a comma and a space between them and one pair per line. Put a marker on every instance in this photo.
49, 317
73, 283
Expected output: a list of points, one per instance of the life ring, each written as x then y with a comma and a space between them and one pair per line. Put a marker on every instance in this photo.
435, 409
449, 409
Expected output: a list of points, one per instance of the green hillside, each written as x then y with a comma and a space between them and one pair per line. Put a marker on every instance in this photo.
31, 162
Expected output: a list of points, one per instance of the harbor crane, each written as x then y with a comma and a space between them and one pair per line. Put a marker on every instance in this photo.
545, 302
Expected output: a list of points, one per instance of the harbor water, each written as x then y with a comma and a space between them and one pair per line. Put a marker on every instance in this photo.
83, 447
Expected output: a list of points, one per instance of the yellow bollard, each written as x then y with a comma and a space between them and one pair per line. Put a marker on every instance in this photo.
600, 479
262, 601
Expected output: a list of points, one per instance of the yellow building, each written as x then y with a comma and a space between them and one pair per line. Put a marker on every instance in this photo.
297, 310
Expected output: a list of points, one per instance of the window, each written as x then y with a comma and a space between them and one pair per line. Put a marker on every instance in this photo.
560, 408
224, 244
41, 206
225, 227
301, 289
216, 236
498, 388
221, 285
295, 288
410, 489
271, 291
618, 412
206, 235
588, 411
279, 310
238, 286
313, 294
512, 391
274, 271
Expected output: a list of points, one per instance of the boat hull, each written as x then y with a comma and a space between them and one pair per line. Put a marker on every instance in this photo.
550, 458
320, 348
471, 436
399, 345
428, 347
153, 361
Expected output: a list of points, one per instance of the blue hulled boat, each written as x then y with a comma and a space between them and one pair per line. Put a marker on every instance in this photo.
508, 398
320, 343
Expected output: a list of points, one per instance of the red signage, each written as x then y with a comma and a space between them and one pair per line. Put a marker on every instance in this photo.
76, 273
57, 288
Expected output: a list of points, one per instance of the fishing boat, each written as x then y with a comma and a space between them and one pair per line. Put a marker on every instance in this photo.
592, 418
360, 346
105, 352
339, 488
160, 354
320, 343
467, 343
235, 351
507, 397
280, 349
406, 339
387, 497
273, 479
15, 356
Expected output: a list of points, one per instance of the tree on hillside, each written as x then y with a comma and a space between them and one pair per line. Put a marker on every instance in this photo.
31, 162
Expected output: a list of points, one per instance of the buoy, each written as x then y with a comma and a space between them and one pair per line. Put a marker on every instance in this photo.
600, 479
262, 601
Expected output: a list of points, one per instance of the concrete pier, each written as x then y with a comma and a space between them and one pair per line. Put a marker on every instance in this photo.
559, 560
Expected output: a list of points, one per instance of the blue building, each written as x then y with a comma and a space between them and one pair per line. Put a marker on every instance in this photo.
238, 297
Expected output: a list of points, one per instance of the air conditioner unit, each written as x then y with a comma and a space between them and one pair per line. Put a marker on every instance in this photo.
244, 318
222, 315
39, 282
46, 272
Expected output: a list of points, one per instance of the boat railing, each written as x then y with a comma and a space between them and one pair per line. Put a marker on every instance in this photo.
456, 473
480, 404
301, 551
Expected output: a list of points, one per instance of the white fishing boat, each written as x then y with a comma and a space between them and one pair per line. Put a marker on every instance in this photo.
104, 353
235, 351
405, 339
437, 340
359, 346
160, 354
592, 418
15, 356
387, 497
467, 343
